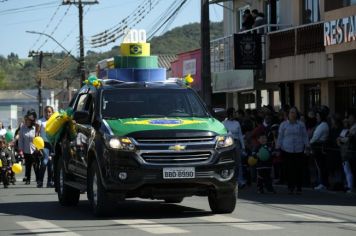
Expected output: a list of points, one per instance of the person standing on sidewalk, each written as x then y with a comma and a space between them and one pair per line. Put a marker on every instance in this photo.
343, 143
47, 160
293, 141
234, 129
350, 155
26, 134
318, 142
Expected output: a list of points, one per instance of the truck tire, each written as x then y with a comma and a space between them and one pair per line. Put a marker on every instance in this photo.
173, 200
222, 204
100, 201
67, 196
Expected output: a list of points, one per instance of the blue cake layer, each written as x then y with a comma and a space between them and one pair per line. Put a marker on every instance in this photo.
137, 75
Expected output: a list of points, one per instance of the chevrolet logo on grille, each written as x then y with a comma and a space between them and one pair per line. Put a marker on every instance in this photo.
177, 147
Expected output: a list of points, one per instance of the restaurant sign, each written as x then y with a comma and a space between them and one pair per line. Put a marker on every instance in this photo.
340, 31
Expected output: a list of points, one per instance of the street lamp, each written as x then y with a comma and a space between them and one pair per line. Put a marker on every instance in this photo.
41, 54
49, 36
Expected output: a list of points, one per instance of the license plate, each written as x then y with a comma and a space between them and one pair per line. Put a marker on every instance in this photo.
179, 173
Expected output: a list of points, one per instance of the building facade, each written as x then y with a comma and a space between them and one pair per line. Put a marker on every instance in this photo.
309, 53
245, 87
313, 62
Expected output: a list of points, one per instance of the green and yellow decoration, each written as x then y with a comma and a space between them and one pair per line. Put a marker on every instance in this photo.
188, 80
93, 81
56, 122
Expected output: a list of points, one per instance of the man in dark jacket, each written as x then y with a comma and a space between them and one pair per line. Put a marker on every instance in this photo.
248, 20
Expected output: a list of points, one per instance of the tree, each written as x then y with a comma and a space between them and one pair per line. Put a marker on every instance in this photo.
2, 79
13, 58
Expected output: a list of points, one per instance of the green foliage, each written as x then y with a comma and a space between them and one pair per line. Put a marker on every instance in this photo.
18, 73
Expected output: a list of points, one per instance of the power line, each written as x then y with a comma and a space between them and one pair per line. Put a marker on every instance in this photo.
27, 8
72, 30
46, 27
114, 33
123, 20
167, 18
56, 27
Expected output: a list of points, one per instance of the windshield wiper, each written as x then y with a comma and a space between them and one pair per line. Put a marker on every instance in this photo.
152, 115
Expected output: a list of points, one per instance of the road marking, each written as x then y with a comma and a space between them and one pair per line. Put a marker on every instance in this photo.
322, 219
239, 223
45, 228
151, 227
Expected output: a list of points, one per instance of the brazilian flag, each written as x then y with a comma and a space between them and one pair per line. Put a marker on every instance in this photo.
136, 49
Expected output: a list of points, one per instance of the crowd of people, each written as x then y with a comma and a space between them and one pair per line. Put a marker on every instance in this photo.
287, 147
19, 148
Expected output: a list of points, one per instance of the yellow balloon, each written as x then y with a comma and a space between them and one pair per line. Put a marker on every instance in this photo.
0, 163
252, 161
189, 79
16, 168
38, 143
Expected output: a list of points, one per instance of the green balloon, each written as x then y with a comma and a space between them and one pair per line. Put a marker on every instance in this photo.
263, 154
9, 136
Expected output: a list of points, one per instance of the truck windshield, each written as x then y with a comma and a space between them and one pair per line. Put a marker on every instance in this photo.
140, 103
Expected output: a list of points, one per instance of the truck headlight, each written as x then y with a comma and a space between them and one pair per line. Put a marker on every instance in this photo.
224, 142
121, 144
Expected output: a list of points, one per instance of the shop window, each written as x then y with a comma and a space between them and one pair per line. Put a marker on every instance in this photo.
345, 96
311, 11
265, 100
312, 96
277, 100
269, 10
336, 4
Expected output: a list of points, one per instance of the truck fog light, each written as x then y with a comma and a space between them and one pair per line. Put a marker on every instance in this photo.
122, 175
225, 174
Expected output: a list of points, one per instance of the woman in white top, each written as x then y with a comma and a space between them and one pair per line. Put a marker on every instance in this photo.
234, 129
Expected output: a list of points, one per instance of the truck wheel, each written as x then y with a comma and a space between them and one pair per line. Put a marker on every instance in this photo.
173, 200
67, 196
99, 199
223, 204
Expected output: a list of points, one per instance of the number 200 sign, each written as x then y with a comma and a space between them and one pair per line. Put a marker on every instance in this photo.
135, 36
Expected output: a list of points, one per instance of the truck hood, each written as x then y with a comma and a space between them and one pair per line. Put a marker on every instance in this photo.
123, 127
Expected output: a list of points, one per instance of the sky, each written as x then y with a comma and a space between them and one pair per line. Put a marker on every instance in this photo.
61, 21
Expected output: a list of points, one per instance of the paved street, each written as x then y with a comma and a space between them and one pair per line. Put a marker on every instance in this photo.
26, 210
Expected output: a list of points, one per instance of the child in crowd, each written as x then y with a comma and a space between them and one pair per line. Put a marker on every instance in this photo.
264, 164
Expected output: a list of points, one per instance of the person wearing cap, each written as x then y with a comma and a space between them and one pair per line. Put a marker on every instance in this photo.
319, 138
26, 148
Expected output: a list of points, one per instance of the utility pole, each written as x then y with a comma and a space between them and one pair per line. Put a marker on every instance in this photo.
40, 56
80, 5
205, 52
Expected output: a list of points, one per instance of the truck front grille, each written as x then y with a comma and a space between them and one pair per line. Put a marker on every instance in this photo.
175, 140
176, 157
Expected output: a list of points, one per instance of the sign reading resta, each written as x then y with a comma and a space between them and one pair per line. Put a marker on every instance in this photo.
340, 31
